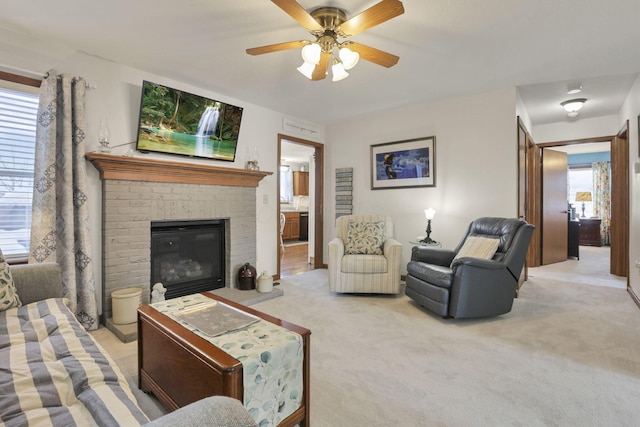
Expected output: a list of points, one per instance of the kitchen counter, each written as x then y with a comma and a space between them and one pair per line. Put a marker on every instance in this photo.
292, 209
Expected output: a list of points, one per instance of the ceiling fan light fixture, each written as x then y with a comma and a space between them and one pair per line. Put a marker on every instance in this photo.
311, 53
573, 105
306, 69
348, 57
338, 71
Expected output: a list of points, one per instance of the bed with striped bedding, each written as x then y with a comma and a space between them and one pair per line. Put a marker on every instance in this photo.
52, 372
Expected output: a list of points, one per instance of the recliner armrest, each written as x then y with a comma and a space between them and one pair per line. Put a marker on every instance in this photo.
431, 255
478, 262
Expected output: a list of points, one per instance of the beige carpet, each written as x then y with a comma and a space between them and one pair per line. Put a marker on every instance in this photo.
567, 355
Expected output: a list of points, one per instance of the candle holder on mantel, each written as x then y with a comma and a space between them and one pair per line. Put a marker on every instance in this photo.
104, 134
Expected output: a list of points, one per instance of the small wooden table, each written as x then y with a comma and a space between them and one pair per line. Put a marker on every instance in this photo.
179, 367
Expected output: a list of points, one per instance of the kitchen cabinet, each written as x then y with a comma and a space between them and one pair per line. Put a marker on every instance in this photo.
300, 183
291, 229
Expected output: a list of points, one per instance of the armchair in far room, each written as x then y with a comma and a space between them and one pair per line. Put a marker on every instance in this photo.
479, 277
364, 257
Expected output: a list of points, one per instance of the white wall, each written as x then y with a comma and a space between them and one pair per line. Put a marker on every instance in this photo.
576, 129
521, 111
117, 97
630, 111
476, 165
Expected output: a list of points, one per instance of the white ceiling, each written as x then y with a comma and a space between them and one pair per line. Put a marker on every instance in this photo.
447, 48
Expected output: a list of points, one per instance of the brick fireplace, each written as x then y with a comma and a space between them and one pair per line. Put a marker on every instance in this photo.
137, 191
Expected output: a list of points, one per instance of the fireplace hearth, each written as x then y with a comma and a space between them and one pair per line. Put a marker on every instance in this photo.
188, 256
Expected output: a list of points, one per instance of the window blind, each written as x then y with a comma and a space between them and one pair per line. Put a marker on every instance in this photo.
18, 115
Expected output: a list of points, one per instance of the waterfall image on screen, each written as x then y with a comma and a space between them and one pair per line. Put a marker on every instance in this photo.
178, 122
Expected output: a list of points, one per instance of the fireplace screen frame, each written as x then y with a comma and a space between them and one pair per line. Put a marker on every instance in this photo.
168, 232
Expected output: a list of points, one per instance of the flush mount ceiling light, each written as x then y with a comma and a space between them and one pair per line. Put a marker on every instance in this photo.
573, 106
574, 89
329, 25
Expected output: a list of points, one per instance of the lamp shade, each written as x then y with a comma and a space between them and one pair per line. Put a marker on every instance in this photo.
311, 53
338, 71
307, 69
429, 213
583, 196
348, 57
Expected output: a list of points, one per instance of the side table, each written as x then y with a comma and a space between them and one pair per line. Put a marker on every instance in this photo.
427, 245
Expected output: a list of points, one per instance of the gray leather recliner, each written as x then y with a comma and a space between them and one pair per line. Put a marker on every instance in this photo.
471, 287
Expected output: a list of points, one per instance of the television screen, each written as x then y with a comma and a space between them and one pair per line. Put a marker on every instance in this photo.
177, 122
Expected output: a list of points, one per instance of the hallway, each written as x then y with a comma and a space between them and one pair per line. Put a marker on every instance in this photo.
591, 269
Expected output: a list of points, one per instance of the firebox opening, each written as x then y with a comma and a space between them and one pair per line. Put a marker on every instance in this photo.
188, 256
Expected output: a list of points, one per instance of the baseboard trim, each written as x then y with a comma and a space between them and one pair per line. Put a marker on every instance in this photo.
634, 296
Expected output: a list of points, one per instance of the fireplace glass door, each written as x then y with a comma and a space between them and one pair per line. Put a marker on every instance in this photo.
188, 257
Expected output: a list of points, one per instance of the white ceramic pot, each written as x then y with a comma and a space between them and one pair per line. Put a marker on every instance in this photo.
265, 282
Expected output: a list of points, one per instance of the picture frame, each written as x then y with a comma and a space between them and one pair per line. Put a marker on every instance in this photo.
638, 135
404, 164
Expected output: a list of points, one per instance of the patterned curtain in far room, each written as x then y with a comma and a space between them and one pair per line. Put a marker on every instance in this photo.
60, 231
602, 198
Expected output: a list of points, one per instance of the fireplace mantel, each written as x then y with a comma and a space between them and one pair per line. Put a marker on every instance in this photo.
153, 170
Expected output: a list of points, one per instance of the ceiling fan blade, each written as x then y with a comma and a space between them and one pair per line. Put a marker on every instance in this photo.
374, 55
277, 47
320, 72
376, 14
297, 12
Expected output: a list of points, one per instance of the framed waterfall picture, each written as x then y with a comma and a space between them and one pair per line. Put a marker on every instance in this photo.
404, 164
173, 121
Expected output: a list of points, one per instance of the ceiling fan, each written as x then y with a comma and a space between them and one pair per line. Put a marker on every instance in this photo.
329, 25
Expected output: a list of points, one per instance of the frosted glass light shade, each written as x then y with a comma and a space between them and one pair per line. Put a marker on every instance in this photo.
348, 57
429, 213
311, 53
306, 69
573, 104
338, 71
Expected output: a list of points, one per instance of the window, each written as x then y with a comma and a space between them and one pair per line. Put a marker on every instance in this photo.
286, 186
18, 115
581, 179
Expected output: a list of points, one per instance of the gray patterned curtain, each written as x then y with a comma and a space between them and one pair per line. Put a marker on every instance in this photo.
59, 230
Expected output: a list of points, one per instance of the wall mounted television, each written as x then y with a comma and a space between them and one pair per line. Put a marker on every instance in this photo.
177, 122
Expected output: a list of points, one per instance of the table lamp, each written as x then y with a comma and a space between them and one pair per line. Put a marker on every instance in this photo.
429, 214
583, 196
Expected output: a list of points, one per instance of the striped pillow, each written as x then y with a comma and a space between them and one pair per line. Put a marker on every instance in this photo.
478, 247
8, 295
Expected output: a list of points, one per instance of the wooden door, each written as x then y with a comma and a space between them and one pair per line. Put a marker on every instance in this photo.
554, 206
534, 202
620, 203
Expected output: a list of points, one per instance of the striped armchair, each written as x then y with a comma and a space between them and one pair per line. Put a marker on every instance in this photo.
364, 257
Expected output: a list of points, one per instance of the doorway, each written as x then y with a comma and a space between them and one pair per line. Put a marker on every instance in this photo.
299, 193
619, 245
